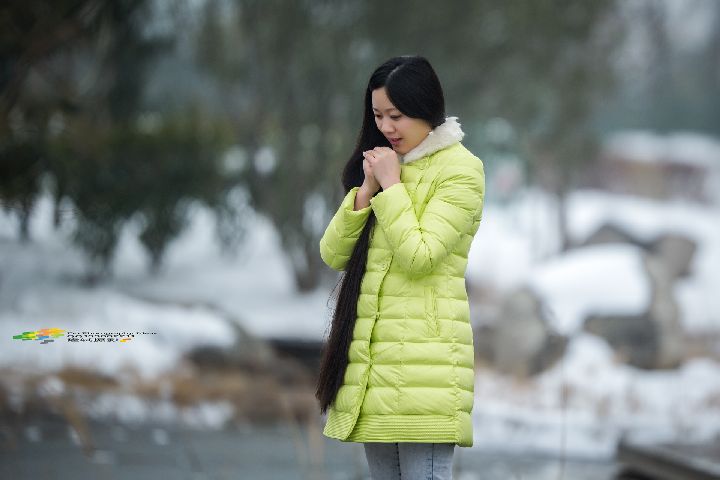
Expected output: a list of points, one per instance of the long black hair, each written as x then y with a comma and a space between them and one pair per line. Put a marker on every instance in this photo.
413, 88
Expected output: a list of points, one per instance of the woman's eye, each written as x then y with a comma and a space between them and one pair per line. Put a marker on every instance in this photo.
395, 117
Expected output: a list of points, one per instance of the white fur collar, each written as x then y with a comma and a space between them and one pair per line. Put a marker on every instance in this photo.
444, 135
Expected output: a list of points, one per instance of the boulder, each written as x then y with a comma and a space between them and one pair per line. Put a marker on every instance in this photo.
247, 353
653, 339
633, 337
611, 233
664, 312
676, 252
522, 341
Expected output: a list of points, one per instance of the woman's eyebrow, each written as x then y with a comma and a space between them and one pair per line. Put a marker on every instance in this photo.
387, 109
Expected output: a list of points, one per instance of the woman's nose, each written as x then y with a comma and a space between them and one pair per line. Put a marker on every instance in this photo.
386, 128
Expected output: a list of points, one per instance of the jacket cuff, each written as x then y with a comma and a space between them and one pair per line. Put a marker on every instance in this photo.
391, 204
353, 220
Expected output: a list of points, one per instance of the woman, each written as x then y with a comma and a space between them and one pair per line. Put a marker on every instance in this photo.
398, 368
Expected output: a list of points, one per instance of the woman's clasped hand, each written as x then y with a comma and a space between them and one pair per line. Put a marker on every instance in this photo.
382, 165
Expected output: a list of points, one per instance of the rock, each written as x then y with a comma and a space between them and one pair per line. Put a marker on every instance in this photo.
653, 339
248, 353
665, 312
677, 253
611, 233
551, 352
523, 344
484, 342
304, 351
676, 250
633, 337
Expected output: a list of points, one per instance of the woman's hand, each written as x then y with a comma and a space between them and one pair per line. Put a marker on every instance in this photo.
384, 165
370, 184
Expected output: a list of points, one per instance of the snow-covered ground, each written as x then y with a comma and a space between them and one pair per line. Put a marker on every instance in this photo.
254, 288
38, 289
603, 400
599, 279
516, 245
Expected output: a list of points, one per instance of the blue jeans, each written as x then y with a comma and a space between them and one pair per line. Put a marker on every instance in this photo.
410, 461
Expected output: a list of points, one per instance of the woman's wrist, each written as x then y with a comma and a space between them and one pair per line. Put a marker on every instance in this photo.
390, 184
362, 198
368, 190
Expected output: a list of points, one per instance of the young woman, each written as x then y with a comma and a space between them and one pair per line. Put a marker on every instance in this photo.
398, 368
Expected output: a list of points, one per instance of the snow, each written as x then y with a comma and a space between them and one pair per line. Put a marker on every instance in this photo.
601, 279
40, 289
511, 238
678, 147
515, 243
254, 288
603, 401
643, 218
195, 273
171, 330
200, 293
131, 409
647, 220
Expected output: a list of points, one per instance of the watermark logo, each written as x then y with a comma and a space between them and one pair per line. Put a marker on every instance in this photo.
46, 335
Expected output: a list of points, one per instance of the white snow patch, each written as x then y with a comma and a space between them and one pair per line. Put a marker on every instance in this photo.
604, 400
601, 279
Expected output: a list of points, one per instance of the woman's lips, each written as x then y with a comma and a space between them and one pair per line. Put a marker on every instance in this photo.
395, 141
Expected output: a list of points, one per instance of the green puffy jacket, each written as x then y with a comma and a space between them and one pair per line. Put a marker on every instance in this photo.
410, 375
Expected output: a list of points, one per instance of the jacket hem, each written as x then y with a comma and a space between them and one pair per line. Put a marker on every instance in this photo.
403, 428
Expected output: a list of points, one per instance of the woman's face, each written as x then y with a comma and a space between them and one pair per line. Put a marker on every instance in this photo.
404, 133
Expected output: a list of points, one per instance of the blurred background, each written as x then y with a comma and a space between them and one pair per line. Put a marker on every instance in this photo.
167, 169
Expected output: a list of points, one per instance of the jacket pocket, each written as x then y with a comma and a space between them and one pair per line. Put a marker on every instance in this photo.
431, 319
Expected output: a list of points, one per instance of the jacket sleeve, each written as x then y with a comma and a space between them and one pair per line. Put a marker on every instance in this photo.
421, 244
338, 241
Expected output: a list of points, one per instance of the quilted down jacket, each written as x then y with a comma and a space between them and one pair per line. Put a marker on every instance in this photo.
410, 372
